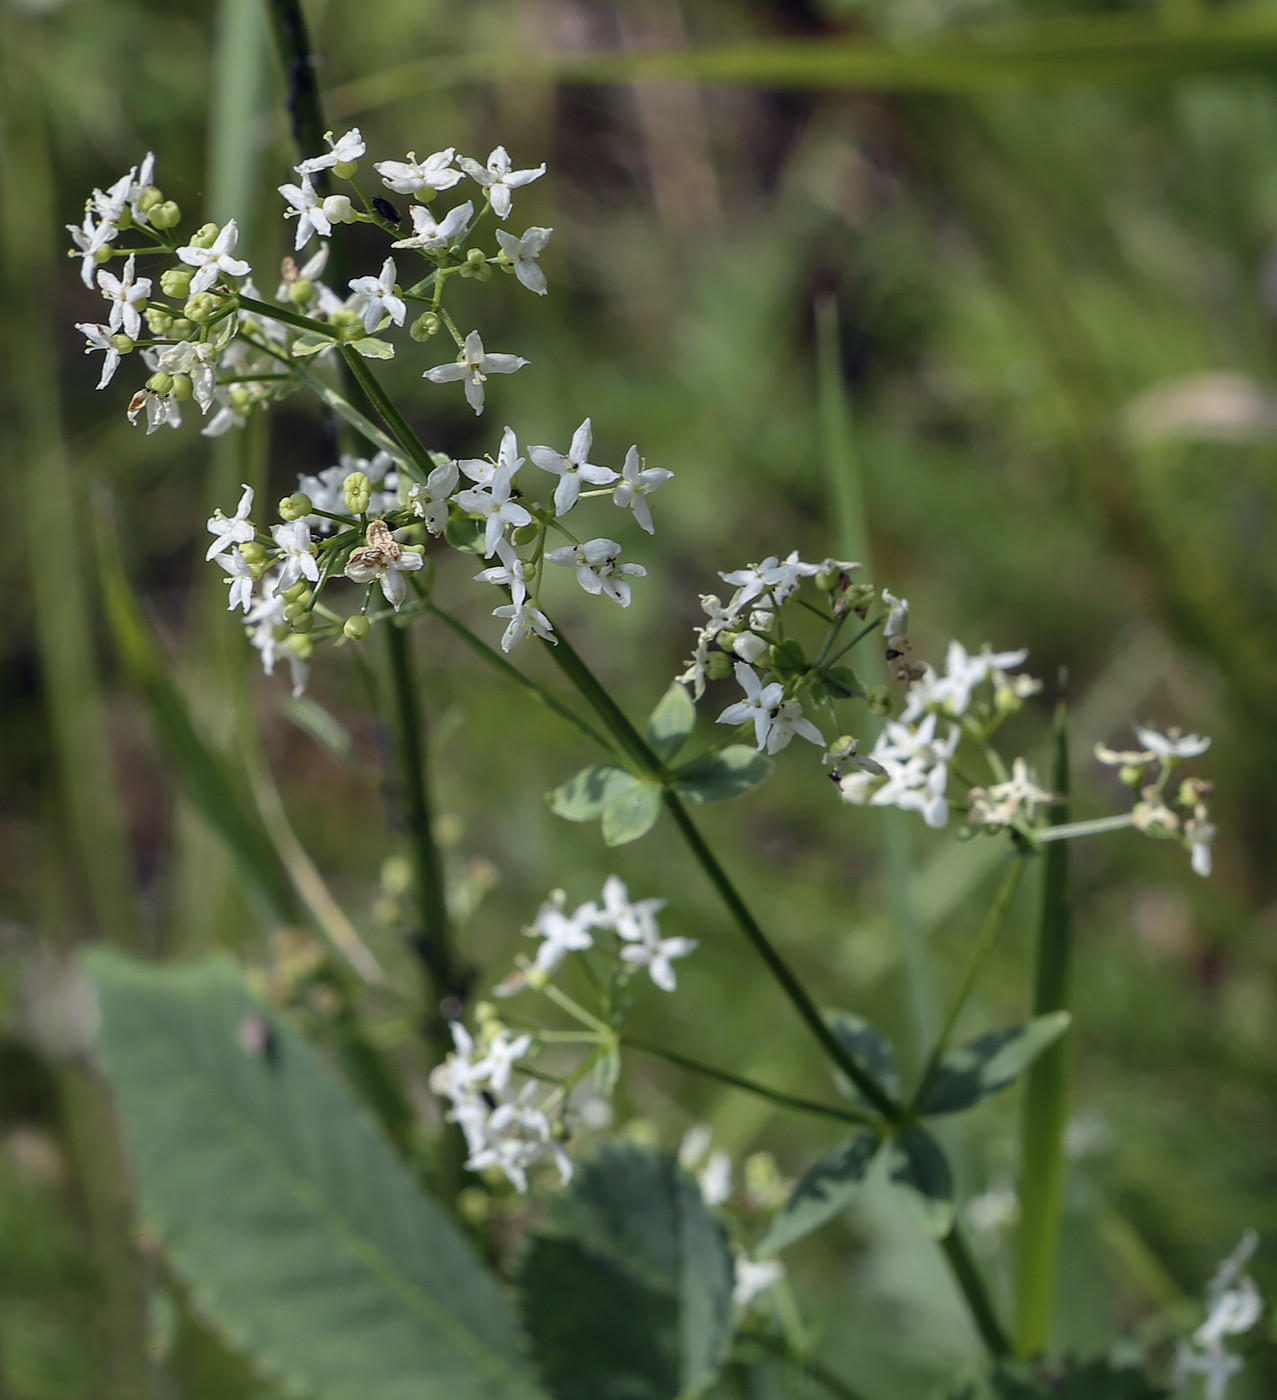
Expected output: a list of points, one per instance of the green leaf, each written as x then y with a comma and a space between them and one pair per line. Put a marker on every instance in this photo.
373, 349
584, 797
718, 777
310, 344
303, 1237
628, 1295
989, 1063
869, 1048
632, 809
671, 721
464, 532
1089, 1380
822, 1192
919, 1169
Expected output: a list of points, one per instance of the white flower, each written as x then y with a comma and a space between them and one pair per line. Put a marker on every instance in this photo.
907, 769
788, 721
139, 186
524, 621
437, 234
773, 576
523, 254
241, 580
758, 704
493, 503
637, 483
500, 1056
239, 529
199, 361
293, 540
314, 215
226, 417
378, 298
561, 933
160, 409
125, 294
407, 177
484, 469
382, 559
657, 955
572, 468
345, 149
263, 620
88, 237
896, 627
430, 500
109, 205
99, 338
632, 921
518, 1136
211, 261
1000, 804
596, 568
1172, 744
310, 271
1200, 834
753, 1277
1235, 1307
963, 672
498, 179
474, 365
510, 573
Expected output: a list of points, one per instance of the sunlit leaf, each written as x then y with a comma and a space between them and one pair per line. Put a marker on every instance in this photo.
671, 721
822, 1192
632, 809
583, 797
869, 1048
373, 349
918, 1168
991, 1062
719, 777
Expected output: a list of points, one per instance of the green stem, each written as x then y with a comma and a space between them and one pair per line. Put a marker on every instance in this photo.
1046, 1099
780, 1348
750, 1086
1068, 830
983, 945
390, 415
971, 1282
302, 94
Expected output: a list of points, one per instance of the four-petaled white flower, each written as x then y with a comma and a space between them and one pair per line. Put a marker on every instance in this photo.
125, 296
307, 207
239, 529
572, 468
1000, 804
1172, 744
498, 179
197, 359
525, 620
100, 338
138, 187
896, 627
493, 503
88, 237
523, 254
377, 295
484, 469
644, 947
241, 580
474, 365
637, 483
757, 706
293, 540
429, 233
160, 409
596, 568
774, 576
561, 933
436, 172
210, 261
429, 500
788, 721
345, 149
384, 560
963, 672
511, 573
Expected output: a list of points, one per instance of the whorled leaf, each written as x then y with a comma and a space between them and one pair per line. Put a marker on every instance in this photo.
373, 349
627, 1295
869, 1048
721, 776
300, 1235
822, 1192
989, 1063
918, 1168
671, 722
631, 811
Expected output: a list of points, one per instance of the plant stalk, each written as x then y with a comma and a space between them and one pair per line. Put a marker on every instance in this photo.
971, 1282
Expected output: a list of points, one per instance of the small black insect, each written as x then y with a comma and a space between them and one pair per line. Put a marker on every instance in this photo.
386, 210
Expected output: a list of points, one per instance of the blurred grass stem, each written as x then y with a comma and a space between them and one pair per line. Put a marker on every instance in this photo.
971, 1282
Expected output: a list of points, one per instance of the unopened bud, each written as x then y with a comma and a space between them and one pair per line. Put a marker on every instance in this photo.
1006, 701
337, 209
176, 281
200, 307
343, 170
181, 327
205, 236
426, 325
158, 321
159, 382
476, 257
295, 506
301, 646
356, 491
301, 291
843, 746
879, 700
166, 215
149, 199
241, 398
123, 343
296, 590
302, 622
103, 254
1132, 774
718, 665
253, 553
182, 387
344, 316
358, 627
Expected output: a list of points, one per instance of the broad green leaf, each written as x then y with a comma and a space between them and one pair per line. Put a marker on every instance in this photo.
373, 349
304, 1238
869, 1048
310, 344
671, 721
719, 777
822, 1192
584, 797
628, 1294
464, 532
989, 1063
632, 809
918, 1168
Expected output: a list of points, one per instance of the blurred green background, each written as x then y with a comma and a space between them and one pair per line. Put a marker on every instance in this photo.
1055, 329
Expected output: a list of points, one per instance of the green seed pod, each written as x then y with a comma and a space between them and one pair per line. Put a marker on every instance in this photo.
205, 236
426, 325
1132, 774
476, 258
879, 700
176, 281
303, 622
241, 398
182, 387
159, 382
357, 628
425, 194
356, 491
200, 307
301, 291
344, 316
294, 610
123, 343
295, 506
165, 216
826, 580
103, 254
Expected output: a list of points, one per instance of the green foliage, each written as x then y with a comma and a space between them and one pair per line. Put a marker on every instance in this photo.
918, 1168
300, 1234
628, 1293
721, 776
989, 1063
628, 805
671, 722
1088, 1380
869, 1048
373, 349
822, 1192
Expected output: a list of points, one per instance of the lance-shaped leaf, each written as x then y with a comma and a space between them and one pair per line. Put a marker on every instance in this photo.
373, 349
822, 1192
718, 777
628, 1294
918, 1168
989, 1063
301, 1235
671, 721
869, 1048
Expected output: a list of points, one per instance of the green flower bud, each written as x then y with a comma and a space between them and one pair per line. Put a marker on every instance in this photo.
826, 580
297, 590
879, 700
182, 387
356, 491
159, 382
299, 616
345, 316
718, 665
182, 327
176, 281
123, 343
124, 219
199, 308
253, 552
301, 646
295, 506
158, 321
1132, 774
337, 209
205, 236
357, 628
344, 169
426, 325
103, 254
166, 215
149, 199
843, 745
301, 291
476, 257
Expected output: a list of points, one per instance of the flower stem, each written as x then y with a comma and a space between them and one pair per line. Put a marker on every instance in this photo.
970, 1281
1046, 1097
390, 415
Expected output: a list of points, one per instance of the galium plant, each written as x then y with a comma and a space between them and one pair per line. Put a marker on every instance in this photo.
654, 1273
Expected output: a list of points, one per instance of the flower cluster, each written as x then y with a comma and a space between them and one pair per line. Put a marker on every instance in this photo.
1191, 826
1234, 1307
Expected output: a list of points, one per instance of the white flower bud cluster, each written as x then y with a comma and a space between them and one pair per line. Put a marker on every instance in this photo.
1234, 1307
